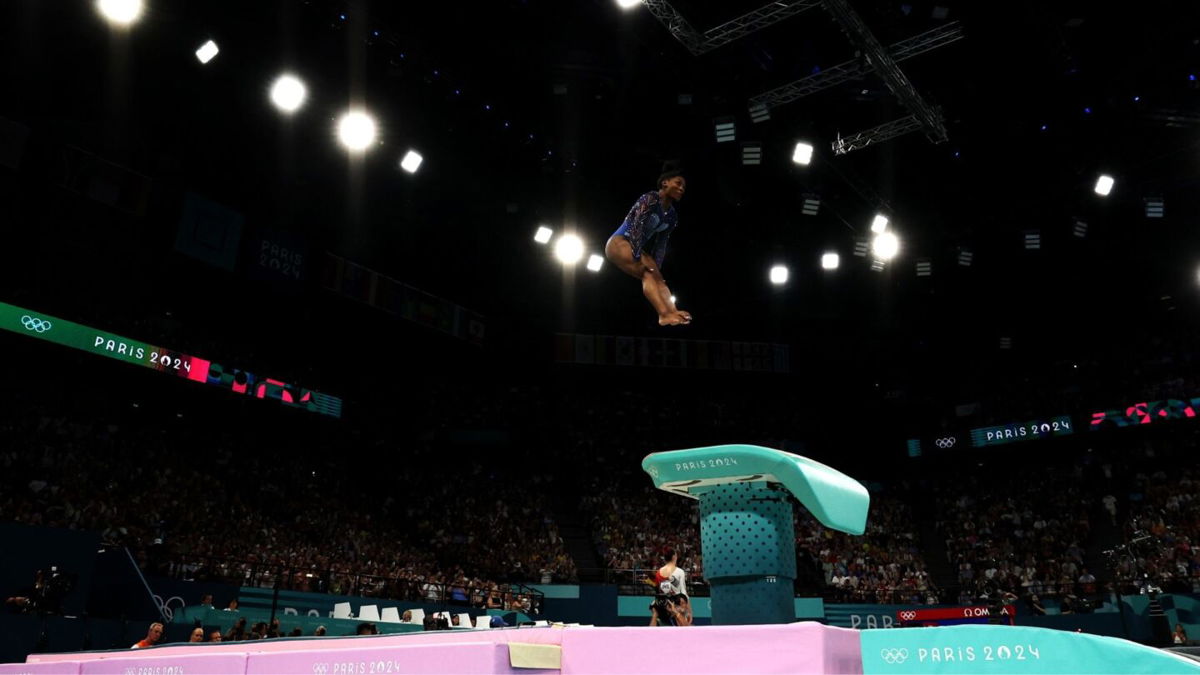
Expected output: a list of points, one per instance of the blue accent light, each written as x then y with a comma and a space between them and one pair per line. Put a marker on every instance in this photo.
1087, 111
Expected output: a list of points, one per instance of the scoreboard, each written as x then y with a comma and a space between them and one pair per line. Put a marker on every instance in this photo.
953, 616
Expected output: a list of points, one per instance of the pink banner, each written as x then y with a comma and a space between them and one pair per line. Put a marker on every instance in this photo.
52, 668
167, 665
469, 657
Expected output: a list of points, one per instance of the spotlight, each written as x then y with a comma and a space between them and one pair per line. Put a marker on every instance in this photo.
803, 153
861, 246
628, 4
1104, 185
1005, 343
830, 261
965, 257
885, 246
672, 299
207, 51
288, 93
924, 267
1154, 207
751, 154
812, 204
568, 249
877, 265
879, 224
1081, 228
595, 262
411, 161
543, 235
356, 130
1033, 240
779, 275
725, 129
120, 12
759, 113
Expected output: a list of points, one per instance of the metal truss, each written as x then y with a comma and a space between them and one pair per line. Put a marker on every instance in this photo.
879, 134
699, 43
852, 70
883, 64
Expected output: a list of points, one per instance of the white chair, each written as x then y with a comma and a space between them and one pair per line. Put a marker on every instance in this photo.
464, 621
483, 621
418, 616
341, 610
368, 613
390, 615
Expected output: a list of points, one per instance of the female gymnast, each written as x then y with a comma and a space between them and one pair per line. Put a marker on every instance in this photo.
647, 228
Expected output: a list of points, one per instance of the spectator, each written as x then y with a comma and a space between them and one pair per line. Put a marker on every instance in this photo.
153, 635
197, 635
320, 631
214, 636
233, 605
1179, 636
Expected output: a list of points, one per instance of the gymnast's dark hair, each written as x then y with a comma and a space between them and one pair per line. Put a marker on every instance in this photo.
670, 170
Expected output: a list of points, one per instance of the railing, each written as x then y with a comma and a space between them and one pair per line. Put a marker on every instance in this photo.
512, 596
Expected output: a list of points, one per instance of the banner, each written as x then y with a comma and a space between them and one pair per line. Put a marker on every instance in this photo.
609, 350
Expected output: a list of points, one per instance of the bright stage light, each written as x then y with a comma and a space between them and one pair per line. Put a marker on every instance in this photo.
830, 261
568, 249
879, 224
672, 299
411, 161
207, 51
120, 12
288, 93
803, 153
885, 246
595, 262
779, 275
356, 130
1104, 185
543, 234
628, 4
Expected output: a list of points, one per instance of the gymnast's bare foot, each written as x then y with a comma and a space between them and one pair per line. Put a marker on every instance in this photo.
674, 318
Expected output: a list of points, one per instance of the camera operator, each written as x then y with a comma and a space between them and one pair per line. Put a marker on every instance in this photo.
671, 606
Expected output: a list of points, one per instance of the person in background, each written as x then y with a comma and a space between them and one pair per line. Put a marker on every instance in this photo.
197, 635
320, 631
153, 635
1179, 635
214, 636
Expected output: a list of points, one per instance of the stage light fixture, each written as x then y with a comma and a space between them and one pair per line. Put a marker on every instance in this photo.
543, 235
1080, 229
725, 129
120, 12
1104, 185
830, 261
885, 246
751, 154
924, 267
288, 93
1154, 207
568, 249
779, 275
595, 262
802, 153
879, 224
1033, 240
207, 51
1005, 343
356, 130
812, 204
412, 160
759, 113
877, 265
861, 246
628, 4
965, 257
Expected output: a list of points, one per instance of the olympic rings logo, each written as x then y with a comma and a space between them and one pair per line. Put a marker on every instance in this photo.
320, 668
908, 615
946, 443
890, 655
35, 324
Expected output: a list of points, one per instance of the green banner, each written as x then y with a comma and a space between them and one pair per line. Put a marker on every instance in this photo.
1011, 650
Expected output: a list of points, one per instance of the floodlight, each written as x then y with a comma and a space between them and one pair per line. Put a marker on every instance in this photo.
120, 12
543, 235
879, 224
411, 161
779, 275
1104, 185
288, 93
356, 130
628, 4
568, 249
830, 261
207, 51
595, 262
885, 246
803, 153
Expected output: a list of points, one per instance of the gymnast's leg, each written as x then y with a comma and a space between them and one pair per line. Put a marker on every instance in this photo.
654, 287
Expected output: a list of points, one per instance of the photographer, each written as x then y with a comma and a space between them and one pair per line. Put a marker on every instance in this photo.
671, 606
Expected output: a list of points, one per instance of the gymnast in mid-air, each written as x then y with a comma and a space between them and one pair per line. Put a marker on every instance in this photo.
646, 230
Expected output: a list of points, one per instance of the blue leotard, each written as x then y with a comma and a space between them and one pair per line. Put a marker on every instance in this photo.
648, 227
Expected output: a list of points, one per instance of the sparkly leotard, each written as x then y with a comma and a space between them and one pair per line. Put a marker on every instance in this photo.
648, 227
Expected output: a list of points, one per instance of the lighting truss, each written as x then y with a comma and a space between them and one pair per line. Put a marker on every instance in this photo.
879, 134
698, 43
853, 70
925, 115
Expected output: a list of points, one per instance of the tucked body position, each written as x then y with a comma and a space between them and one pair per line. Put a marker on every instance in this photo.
639, 246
